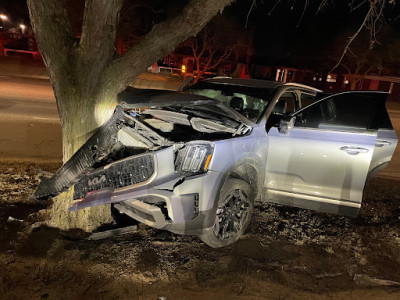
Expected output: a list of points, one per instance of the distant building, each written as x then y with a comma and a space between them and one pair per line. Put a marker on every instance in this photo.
340, 82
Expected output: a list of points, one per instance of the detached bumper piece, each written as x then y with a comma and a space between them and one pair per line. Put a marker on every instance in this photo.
98, 147
143, 212
129, 172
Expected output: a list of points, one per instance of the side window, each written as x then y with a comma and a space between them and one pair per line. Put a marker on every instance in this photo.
306, 100
344, 112
310, 117
286, 103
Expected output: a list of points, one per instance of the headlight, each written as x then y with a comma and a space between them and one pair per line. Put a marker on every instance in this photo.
194, 158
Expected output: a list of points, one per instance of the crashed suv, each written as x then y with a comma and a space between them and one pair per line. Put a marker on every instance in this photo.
194, 161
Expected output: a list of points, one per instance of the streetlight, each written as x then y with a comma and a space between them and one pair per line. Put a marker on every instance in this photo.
3, 18
22, 26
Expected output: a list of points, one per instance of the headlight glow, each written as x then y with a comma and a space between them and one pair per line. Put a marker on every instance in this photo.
194, 158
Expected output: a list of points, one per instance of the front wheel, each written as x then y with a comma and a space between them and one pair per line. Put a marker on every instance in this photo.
233, 215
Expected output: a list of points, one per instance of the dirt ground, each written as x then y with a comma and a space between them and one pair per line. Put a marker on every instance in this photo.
288, 253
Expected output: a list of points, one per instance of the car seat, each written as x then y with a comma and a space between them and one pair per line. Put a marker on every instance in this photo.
280, 107
237, 103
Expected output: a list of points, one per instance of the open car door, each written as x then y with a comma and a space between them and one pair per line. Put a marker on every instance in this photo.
319, 157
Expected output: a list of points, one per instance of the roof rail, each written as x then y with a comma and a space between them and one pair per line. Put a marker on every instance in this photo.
221, 77
299, 85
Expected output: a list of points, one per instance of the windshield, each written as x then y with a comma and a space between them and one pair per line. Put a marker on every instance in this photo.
248, 101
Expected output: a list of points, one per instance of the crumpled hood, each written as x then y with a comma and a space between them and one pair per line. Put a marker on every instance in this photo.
133, 98
151, 121
121, 131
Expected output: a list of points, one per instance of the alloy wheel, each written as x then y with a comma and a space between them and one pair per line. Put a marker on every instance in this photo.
231, 215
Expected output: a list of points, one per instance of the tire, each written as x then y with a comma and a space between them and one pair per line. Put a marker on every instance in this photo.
121, 219
233, 214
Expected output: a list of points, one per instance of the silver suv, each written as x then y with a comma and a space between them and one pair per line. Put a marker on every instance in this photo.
194, 161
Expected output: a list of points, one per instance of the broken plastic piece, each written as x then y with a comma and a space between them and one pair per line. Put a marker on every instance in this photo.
112, 233
99, 146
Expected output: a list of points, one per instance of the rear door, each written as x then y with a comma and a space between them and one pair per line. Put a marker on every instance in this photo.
323, 162
385, 144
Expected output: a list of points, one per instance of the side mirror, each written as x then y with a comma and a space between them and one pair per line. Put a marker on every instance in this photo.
286, 124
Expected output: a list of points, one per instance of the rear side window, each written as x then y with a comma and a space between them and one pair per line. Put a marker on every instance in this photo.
355, 111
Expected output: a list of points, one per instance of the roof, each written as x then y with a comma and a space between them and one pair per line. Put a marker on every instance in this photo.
303, 86
257, 83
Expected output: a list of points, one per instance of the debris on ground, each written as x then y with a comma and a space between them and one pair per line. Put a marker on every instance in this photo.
112, 233
287, 253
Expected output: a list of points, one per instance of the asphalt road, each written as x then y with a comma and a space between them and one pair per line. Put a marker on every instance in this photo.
30, 128
29, 124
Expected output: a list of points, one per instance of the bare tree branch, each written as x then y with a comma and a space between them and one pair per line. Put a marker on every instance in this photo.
373, 22
357, 6
163, 38
248, 14
346, 67
210, 47
195, 45
302, 14
378, 17
273, 8
351, 39
226, 54
321, 6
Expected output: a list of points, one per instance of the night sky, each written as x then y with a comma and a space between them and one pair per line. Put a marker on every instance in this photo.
282, 37
16, 10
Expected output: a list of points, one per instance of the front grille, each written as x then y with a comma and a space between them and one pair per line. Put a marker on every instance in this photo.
128, 172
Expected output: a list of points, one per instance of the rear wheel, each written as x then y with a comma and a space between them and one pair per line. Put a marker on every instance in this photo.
233, 215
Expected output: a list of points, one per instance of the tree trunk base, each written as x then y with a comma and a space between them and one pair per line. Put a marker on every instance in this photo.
86, 219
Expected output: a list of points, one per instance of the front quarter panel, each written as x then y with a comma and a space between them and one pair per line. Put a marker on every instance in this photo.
232, 153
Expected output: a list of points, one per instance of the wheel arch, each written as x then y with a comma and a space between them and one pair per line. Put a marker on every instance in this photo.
247, 169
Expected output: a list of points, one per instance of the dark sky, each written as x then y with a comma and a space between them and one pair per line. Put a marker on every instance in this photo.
16, 10
282, 37
279, 38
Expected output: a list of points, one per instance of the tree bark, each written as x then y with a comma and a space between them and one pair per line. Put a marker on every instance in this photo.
75, 71
80, 118
87, 75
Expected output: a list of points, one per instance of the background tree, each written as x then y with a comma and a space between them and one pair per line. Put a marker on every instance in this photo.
372, 24
224, 39
360, 64
86, 73
208, 51
360, 58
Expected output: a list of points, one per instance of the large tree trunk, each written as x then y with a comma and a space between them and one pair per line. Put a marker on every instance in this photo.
87, 74
79, 120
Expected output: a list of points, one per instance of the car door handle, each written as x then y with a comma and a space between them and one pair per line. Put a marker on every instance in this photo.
354, 150
381, 143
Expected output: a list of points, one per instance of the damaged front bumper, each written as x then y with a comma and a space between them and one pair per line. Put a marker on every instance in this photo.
164, 200
156, 187
103, 142
139, 133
